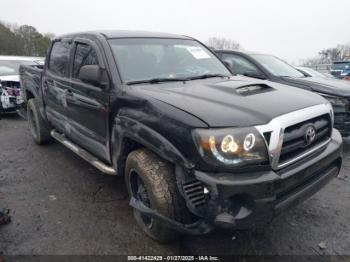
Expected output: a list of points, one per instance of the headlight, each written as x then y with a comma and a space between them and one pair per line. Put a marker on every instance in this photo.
231, 147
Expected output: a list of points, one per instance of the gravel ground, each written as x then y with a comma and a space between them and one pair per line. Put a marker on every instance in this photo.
62, 205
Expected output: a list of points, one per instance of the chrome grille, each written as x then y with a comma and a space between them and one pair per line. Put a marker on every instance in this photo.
284, 134
294, 141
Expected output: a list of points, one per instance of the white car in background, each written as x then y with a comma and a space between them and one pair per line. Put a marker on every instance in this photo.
10, 92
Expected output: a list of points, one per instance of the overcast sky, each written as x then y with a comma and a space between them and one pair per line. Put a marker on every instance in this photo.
291, 29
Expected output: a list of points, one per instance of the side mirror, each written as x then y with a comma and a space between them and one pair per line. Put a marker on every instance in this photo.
91, 74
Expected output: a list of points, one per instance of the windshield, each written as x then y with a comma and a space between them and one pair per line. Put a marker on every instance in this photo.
141, 59
276, 66
341, 65
11, 67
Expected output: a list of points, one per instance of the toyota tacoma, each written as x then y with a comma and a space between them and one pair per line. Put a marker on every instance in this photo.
199, 148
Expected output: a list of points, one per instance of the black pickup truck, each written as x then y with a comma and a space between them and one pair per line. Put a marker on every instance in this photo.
199, 148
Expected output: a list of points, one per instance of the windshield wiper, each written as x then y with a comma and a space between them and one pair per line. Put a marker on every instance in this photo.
206, 76
160, 80
156, 80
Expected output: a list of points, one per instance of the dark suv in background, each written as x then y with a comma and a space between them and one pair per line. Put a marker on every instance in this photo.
268, 67
341, 69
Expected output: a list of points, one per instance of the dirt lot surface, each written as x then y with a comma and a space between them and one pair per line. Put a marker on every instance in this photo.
62, 205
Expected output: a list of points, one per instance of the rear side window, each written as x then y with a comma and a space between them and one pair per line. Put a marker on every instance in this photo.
84, 55
59, 58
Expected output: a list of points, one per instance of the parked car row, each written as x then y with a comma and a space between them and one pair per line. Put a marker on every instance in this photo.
10, 92
308, 72
268, 67
201, 145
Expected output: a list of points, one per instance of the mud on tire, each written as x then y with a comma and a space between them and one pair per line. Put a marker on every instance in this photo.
39, 128
157, 178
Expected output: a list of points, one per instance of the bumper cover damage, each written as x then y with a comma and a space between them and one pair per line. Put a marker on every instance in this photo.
10, 96
251, 200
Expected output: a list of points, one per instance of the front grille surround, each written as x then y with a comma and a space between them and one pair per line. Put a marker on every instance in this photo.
294, 142
282, 125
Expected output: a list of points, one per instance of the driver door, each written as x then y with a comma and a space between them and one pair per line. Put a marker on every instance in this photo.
87, 103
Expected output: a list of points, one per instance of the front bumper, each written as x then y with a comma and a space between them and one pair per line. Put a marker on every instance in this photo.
11, 103
242, 201
254, 199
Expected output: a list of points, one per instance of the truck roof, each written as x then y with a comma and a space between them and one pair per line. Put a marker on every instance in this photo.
126, 34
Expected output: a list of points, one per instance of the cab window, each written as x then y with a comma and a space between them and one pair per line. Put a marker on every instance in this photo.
59, 58
84, 55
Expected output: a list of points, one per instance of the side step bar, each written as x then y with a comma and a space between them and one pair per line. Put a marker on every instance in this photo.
83, 154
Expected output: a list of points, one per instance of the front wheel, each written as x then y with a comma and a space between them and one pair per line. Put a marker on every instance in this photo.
39, 128
151, 180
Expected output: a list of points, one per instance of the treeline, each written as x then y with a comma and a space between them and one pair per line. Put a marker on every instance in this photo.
22, 40
328, 55
221, 43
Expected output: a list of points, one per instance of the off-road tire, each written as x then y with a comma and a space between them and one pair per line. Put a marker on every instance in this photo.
39, 128
160, 182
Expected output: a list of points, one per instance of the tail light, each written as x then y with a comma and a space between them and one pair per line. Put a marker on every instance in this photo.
13, 92
10, 91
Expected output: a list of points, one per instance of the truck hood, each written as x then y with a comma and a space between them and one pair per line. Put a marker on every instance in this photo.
329, 86
14, 78
222, 103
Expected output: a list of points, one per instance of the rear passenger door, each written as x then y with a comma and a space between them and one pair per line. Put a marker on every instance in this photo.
88, 103
55, 83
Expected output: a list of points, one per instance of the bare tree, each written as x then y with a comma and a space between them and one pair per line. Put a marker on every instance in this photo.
328, 55
223, 43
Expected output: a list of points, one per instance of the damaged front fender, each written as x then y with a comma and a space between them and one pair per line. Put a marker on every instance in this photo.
126, 129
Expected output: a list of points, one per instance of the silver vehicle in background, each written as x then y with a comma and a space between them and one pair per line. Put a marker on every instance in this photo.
307, 71
10, 92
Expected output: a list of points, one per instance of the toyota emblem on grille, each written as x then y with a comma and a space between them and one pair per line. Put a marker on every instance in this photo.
310, 135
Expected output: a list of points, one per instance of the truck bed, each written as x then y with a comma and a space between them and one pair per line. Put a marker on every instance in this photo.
30, 78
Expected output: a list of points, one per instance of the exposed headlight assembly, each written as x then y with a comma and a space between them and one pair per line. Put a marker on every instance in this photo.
231, 147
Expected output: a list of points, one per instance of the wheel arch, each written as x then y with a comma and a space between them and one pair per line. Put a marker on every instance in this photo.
129, 135
29, 95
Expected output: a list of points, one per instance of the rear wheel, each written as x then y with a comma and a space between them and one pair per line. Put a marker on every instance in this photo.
151, 180
39, 128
